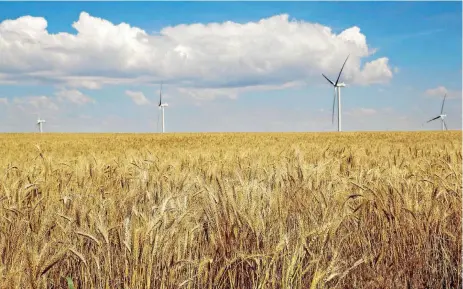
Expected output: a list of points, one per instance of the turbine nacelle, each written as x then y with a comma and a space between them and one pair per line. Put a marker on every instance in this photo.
40, 124
442, 116
163, 105
341, 84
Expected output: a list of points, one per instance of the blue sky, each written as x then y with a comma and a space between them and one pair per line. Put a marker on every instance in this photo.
266, 78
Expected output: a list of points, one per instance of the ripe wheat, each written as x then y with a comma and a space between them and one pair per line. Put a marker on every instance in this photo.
349, 210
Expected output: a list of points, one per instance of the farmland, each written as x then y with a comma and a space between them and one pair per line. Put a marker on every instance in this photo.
264, 210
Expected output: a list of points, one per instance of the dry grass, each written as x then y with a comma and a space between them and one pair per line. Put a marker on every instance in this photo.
350, 210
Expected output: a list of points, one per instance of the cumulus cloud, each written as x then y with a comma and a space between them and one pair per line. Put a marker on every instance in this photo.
137, 97
73, 96
376, 71
35, 102
440, 91
272, 51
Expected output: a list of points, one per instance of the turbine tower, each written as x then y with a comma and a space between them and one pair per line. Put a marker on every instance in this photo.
40, 124
161, 106
441, 115
337, 89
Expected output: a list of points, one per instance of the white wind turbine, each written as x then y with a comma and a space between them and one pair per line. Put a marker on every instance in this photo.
441, 115
161, 106
337, 89
40, 124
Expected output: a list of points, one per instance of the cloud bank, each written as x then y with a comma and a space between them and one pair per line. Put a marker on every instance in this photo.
73, 96
271, 51
35, 103
440, 91
137, 97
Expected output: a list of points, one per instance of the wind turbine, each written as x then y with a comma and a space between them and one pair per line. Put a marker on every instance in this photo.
441, 115
161, 106
40, 124
337, 89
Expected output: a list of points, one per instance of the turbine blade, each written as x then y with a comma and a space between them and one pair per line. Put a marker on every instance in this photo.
443, 101
339, 76
433, 119
160, 95
445, 125
328, 79
334, 104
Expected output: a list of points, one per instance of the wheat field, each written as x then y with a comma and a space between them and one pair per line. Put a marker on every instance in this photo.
263, 210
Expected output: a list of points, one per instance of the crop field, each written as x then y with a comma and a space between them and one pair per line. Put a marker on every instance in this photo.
263, 210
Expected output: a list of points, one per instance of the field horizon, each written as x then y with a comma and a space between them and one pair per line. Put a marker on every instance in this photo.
237, 132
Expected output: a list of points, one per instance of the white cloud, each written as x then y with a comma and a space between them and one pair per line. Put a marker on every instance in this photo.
85, 116
440, 91
3, 100
376, 71
209, 93
4, 77
358, 112
138, 97
84, 83
388, 109
38, 102
230, 92
367, 111
197, 95
43, 104
73, 96
273, 51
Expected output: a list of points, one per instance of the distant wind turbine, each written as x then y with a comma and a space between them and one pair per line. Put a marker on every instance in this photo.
337, 89
441, 115
40, 124
161, 106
